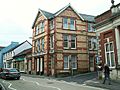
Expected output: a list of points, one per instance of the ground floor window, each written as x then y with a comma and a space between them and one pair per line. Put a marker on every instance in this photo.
91, 59
109, 54
70, 61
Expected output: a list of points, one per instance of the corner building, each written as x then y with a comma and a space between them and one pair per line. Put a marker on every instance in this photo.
59, 43
108, 31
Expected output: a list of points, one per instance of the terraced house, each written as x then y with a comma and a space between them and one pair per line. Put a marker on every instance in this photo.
60, 42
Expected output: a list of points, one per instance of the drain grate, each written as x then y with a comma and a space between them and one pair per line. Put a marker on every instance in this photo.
49, 82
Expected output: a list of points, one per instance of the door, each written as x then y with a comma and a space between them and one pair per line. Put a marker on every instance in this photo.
38, 66
91, 59
42, 65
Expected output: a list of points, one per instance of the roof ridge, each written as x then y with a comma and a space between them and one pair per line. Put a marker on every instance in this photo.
45, 11
69, 5
87, 14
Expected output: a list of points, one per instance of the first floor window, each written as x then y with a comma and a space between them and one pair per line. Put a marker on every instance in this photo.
73, 42
51, 24
90, 27
92, 43
65, 41
42, 42
69, 41
38, 45
109, 54
51, 42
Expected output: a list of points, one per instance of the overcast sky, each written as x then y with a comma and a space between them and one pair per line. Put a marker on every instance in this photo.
17, 16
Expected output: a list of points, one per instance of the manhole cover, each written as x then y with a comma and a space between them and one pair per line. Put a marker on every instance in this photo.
49, 82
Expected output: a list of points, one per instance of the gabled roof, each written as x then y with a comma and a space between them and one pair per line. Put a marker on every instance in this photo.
88, 18
24, 52
18, 46
49, 15
64, 8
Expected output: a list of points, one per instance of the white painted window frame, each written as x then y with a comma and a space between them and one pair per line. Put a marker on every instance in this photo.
65, 23
109, 54
52, 24
71, 24
69, 58
67, 41
75, 41
51, 41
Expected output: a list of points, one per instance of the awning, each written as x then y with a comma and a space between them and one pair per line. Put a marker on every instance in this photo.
19, 59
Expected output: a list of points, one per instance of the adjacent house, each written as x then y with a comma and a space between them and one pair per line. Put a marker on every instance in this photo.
24, 57
4, 50
1, 47
108, 32
91, 40
60, 42
10, 62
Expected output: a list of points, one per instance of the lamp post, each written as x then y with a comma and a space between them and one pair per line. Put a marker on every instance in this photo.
71, 69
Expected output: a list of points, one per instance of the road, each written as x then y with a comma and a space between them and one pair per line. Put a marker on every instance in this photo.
81, 78
29, 83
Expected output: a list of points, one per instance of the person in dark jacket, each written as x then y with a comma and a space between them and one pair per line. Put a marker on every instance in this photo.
106, 74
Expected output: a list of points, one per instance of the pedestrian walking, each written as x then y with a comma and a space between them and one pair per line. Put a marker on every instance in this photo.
106, 74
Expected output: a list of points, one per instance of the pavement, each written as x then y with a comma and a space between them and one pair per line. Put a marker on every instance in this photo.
89, 79
115, 84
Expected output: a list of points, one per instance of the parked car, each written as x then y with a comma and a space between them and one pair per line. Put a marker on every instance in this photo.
10, 73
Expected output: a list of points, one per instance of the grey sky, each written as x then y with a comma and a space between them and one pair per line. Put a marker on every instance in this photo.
17, 16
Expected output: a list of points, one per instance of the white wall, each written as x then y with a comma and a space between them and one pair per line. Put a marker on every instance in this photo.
22, 47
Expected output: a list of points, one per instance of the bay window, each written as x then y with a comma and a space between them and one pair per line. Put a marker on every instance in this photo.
42, 43
51, 41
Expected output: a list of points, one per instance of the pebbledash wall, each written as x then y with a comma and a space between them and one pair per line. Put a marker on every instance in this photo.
50, 56
108, 31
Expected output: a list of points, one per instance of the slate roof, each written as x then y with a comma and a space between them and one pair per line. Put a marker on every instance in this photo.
88, 18
24, 52
18, 46
49, 15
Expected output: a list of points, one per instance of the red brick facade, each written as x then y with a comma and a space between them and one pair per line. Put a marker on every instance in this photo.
109, 34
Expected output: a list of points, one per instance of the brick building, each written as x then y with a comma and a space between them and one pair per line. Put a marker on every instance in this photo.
60, 42
108, 31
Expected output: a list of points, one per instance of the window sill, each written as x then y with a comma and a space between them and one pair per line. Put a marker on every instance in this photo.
69, 48
66, 47
51, 29
73, 48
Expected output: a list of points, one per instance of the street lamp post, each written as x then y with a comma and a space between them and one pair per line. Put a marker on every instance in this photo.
71, 69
